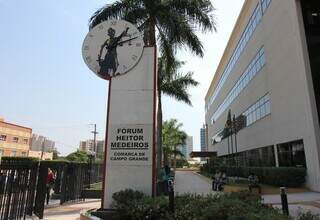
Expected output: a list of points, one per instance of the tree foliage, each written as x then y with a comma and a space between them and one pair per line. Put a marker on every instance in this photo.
172, 137
173, 21
172, 25
78, 156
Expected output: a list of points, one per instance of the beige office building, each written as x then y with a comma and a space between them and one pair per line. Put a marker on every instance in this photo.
14, 139
269, 79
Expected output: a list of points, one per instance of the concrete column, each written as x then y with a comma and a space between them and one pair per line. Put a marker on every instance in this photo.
131, 130
275, 150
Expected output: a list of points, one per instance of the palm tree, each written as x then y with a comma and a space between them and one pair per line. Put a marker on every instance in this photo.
174, 21
171, 23
174, 84
173, 136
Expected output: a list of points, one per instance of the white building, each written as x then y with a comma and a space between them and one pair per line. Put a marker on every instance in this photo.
269, 78
88, 146
187, 148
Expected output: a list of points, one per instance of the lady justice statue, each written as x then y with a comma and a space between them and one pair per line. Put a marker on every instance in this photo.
109, 65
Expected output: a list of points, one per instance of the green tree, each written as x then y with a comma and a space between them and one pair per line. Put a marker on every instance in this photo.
55, 154
170, 23
172, 137
78, 156
174, 84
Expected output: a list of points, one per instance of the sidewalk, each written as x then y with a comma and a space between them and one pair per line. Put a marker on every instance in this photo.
292, 198
70, 211
298, 202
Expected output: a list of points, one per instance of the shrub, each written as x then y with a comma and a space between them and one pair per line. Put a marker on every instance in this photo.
277, 176
19, 159
127, 196
308, 216
134, 205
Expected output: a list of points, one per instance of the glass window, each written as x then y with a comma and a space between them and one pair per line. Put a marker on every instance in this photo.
258, 112
13, 153
3, 137
268, 110
25, 141
250, 118
1, 152
246, 34
254, 118
263, 110
15, 139
262, 60
292, 154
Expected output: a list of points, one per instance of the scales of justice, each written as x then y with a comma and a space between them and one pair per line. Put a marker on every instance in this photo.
114, 50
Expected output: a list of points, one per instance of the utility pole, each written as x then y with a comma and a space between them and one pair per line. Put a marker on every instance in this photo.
94, 139
42, 147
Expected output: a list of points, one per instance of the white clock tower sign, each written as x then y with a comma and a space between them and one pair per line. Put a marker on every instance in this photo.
114, 50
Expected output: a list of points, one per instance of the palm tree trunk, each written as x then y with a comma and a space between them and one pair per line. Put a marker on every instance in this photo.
152, 32
159, 132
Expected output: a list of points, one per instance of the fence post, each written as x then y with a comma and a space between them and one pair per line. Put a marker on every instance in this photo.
171, 195
284, 200
41, 191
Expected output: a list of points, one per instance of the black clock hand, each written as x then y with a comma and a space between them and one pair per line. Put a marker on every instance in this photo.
121, 42
115, 43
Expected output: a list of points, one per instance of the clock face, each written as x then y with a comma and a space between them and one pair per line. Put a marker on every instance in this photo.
112, 48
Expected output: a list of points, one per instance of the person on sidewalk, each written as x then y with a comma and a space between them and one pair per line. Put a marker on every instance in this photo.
254, 182
222, 181
215, 181
49, 184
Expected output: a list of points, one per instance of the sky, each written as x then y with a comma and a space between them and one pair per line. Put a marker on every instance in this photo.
45, 84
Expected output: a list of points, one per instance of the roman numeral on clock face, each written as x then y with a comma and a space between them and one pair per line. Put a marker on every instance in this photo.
134, 57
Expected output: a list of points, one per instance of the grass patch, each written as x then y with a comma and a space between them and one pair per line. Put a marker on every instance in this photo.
96, 186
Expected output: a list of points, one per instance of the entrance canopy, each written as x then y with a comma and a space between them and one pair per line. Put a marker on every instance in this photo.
203, 154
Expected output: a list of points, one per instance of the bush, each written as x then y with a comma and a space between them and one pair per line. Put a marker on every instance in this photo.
277, 176
127, 196
19, 159
308, 216
134, 205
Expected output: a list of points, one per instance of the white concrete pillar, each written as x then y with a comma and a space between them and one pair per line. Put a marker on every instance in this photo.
130, 139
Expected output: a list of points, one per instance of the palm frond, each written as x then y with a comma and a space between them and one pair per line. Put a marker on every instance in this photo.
125, 9
177, 87
198, 12
179, 32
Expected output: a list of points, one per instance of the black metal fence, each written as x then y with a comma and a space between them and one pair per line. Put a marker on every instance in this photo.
17, 189
73, 183
96, 173
23, 185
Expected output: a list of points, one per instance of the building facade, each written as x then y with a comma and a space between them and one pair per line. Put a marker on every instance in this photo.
88, 146
187, 148
14, 139
41, 155
203, 140
39, 142
267, 79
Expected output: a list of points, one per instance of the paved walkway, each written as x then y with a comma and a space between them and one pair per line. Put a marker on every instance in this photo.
191, 182
188, 181
70, 211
